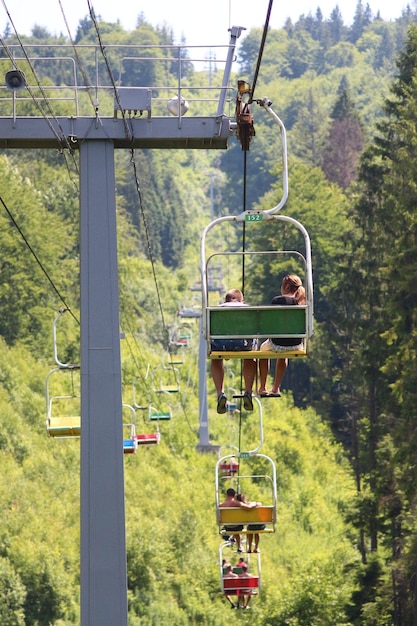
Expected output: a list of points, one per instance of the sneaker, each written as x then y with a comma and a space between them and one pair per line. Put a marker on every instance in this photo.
221, 403
247, 401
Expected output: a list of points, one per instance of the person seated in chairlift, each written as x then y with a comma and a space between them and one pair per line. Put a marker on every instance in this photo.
241, 562
232, 501
229, 573
234, 297
245, 598
292, 293
251, 527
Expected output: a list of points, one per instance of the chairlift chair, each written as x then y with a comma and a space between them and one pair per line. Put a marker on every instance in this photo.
266, 514
63, 417
237, 587
130, 443
257, 322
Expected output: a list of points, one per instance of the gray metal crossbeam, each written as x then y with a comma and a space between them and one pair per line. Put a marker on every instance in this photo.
162, 133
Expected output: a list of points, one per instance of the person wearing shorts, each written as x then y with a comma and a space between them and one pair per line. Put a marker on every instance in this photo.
292, 293
234, 297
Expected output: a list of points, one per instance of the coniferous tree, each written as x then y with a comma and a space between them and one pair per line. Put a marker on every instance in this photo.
361, 19
345, 141
308, 136
337, 29
84, 27
381, 283
302, 54
386, 49
398, 146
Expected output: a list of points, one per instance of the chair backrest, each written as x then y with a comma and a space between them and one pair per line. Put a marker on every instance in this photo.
252, 582
148, 438
64, 426
237, 515
261, 322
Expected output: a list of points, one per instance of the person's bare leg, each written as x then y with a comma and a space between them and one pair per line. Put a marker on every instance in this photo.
257, 537
217, 373
263, 375
230, 600
249, 372
280, 368
249, 538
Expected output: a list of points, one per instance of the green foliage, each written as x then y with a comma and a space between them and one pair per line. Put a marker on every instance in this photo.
345, 545
25, 293
367, 606
12, 594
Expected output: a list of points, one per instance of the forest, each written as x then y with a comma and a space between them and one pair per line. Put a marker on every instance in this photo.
343, 433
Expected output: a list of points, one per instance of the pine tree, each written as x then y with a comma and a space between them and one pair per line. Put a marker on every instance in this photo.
337, 29
345, 140
361, 19
381, 282
308, 136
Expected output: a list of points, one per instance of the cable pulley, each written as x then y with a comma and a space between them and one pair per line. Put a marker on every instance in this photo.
245, 129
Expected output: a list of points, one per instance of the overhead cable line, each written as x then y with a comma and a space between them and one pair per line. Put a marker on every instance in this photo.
148, 239
129, 135
94, 101
128, 130
261, 48
246, 131
37, 258
244, 117
35, 99
60, 138
150, 253
44, 114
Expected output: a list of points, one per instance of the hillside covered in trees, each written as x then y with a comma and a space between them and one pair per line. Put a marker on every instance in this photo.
342, 436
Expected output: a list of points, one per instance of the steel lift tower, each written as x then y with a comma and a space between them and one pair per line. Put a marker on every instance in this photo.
103, 535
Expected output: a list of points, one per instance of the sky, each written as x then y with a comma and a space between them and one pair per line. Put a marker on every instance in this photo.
201, 22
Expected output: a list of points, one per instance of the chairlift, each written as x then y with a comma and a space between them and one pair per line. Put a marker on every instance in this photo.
146, 438
236, 588
63, 412
158, 414
130, 443
172, 360
180, 335
63, 416
229, 466
258, 322
189, 313
154, 413
264, 515
168, 381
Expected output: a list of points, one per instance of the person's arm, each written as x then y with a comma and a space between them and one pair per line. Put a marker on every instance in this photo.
249, 505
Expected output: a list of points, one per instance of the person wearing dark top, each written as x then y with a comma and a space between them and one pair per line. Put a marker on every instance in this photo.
292, 293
